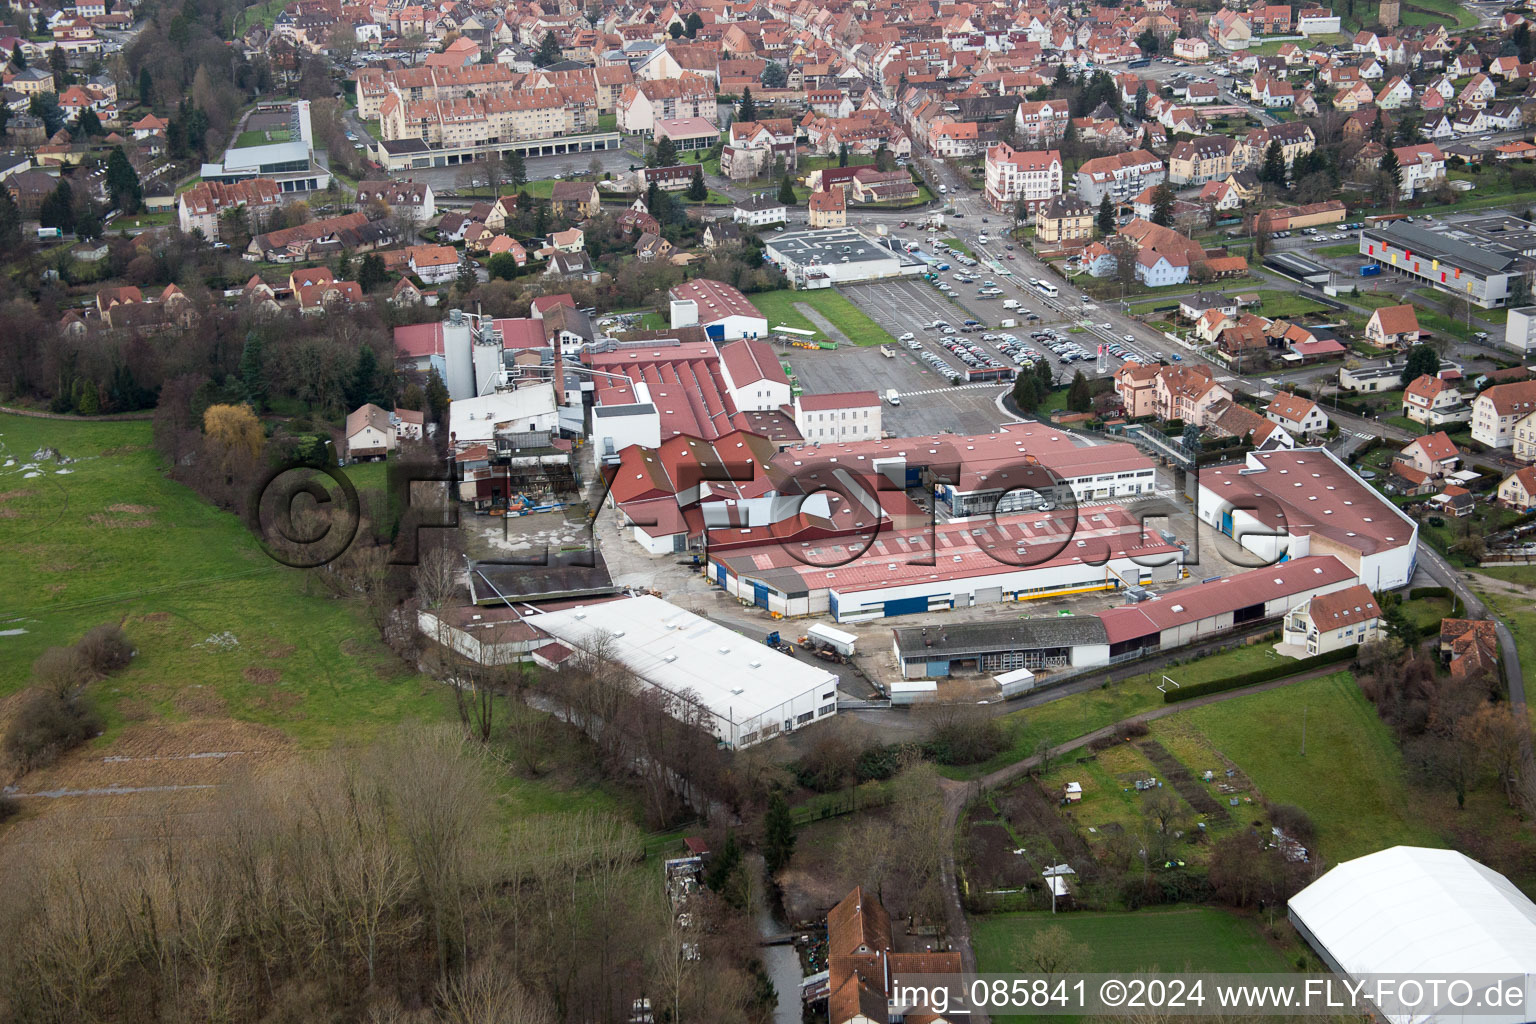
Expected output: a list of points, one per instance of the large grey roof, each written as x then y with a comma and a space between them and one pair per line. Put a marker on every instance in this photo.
1486, 259
961, 639
561, 574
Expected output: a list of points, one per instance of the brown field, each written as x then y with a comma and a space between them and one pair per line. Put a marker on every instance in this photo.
154, 779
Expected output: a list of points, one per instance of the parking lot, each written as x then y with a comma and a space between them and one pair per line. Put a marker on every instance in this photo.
930, 405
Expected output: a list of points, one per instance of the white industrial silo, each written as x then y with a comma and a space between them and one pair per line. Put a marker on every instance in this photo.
487, 357
458, 342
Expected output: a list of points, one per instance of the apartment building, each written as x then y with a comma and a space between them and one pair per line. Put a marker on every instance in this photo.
642, 103
1014, 176
1120, 176
1210, 158
1498, 409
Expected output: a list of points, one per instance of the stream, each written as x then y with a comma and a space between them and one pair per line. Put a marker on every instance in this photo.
783, 966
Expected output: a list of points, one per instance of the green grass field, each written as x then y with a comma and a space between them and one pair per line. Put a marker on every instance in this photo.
1175, 938
112, 539
955, 243
779, 308
1274, 303
222, 632
1078, 714
1342, 249
1350, 779
257, 137
1169, 306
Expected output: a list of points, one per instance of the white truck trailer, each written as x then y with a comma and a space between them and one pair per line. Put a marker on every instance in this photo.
836, 639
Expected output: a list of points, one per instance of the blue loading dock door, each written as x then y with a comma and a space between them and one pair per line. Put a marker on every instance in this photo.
906, 606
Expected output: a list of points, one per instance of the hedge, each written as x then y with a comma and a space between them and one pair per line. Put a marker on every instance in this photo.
1260, 675
1420, 593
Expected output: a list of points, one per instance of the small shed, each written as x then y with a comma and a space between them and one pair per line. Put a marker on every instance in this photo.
1072, 792
1020, 680
919, 691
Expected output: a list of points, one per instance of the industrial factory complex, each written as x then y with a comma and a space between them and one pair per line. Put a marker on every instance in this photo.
702, 447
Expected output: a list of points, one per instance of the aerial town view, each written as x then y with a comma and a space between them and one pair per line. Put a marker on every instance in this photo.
767, 511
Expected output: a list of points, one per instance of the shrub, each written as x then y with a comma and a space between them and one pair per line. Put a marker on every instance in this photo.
105, 650
1294, 822
48, 724
9, 807
1260, 675
61, 669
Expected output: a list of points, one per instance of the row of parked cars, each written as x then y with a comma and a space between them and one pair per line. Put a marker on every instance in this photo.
970, 353
1010, 346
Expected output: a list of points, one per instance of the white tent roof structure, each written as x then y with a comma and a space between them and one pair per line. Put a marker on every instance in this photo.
1410, 910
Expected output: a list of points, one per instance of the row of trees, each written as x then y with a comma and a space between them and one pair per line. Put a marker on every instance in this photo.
380, 884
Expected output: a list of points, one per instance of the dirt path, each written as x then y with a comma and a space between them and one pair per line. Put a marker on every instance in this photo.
958, 794
822, 324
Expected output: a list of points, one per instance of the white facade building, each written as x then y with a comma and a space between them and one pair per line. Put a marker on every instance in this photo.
1287, 504
844, 416
750, 692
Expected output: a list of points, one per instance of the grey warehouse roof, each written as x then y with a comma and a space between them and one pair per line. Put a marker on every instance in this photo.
560, 575
964, 639
1485, 259
803, 247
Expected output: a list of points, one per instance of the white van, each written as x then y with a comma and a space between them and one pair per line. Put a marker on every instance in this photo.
892, 397
1010, 303
943, 190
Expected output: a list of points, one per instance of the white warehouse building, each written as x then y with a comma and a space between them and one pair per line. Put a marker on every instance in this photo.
751, 692
823, 258
1408, 911
1284, 505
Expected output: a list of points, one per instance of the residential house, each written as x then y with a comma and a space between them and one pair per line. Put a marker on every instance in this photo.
650, 248
504, 209
435, 264
1433, 402
1330, 622
1496, 411
1300, 416
369, 434
1523, 437
201, 207
1518, 490
1435, 455
409, 199
1454, 500
1161, 269
1191, 48
1209, 158
1470, 646
1066, 221
1230, 29
721, 232
1136, 384
1395, 95
1422, 167
828, 210
1187, 392
759, 210
570, 265
574, 200
324, 296
1043, 121
1393, 327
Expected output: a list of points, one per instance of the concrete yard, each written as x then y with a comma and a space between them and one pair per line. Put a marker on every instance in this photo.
932, 404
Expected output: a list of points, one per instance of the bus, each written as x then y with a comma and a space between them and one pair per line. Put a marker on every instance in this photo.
1047, 289
1140, 62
